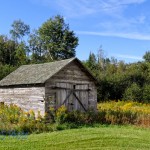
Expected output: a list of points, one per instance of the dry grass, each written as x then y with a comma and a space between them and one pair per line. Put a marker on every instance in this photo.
141, 110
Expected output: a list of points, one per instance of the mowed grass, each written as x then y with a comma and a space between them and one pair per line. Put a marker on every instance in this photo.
92, 138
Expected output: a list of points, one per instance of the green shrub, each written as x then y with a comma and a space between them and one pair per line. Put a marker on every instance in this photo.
120, 117
61, 115
12, 118
133, 93
146, 93
125, 112
5, 70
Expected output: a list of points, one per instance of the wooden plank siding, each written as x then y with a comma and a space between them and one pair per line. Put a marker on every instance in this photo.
28, 98
69, 76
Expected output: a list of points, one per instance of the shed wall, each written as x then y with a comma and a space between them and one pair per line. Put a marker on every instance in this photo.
28, 98
73, 74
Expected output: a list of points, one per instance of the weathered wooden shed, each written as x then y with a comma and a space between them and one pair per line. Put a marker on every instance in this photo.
38, 86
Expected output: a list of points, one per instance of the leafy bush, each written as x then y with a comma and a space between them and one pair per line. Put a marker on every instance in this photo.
13, 118
146, 93
125, 112
5, 70
120, 117
133, 92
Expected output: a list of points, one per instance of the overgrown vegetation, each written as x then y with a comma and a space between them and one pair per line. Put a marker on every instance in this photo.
12, 118
126, 112
118, 80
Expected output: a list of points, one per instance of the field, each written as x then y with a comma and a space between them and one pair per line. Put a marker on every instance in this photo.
101, 137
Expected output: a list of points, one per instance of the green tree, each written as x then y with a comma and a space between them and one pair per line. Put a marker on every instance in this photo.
11, 53
35, 47
5, 70
57, 39
19, 30
7, 51
101, 58
146, 93
146, 56
91, 63
20, 54
133, 92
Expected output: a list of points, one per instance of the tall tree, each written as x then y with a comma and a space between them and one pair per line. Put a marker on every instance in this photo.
20, 54
58, 41
101, 58
35, 46
146, 56
92, 61
19, 30
7, 51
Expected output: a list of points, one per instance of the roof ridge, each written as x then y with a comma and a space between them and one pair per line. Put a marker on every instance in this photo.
49, 62
58, 69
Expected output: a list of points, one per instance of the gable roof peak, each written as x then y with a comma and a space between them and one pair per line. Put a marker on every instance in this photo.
38, 73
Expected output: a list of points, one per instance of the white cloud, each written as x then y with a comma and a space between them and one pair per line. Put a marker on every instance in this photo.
128, 57
78, 8
137, 24
136, 36
119, 25
133, 1
85, 7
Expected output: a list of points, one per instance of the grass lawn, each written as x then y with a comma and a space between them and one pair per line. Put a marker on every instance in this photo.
96, 138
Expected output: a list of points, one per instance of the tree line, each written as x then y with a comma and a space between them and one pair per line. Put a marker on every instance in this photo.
119, 80
54, 40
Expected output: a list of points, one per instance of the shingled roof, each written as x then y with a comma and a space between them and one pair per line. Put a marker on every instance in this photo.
35, 73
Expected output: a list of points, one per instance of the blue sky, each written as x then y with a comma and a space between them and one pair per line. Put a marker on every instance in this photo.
122, 27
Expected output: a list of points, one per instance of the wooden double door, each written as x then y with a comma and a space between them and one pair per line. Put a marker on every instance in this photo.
73, 96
